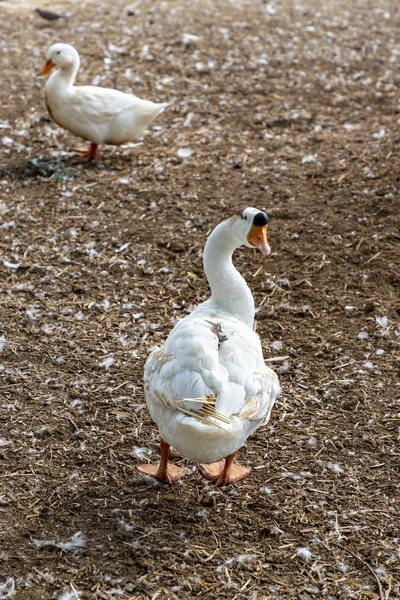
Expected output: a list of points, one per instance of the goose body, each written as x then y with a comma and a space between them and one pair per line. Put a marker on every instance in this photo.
99, 115
208, 388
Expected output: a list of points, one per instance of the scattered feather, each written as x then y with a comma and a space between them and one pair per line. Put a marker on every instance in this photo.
382, 322
188, 119
290, 475
7, 588
240, 559
304, 553
107, 362
277, 345
70, 595
76, 544
11, 265
122, 248
141, 452
184, 152
362, 335
189, 38
368, 365
379, 135
334, 467
308, 159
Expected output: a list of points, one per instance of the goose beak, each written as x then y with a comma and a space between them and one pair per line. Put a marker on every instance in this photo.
47, 68
257, 237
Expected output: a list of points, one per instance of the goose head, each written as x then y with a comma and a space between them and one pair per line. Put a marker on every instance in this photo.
250, 227
61, 56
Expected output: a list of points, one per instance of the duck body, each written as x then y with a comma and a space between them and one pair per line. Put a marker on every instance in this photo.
209, 354
208, 388
99, 115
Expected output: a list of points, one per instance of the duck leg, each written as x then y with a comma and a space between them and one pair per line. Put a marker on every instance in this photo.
164, 471
89, 153
224, 471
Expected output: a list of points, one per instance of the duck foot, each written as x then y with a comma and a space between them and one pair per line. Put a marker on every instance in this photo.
224, 472
165, 471
89, 153
171, 475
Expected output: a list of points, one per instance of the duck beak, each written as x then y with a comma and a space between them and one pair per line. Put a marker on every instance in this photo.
257, 237
47, 68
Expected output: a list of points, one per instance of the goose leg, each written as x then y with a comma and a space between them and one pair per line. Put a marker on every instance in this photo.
224, 471
164, 471
89, 153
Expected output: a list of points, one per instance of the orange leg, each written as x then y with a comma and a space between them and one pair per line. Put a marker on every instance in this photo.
224, 471
164, 471
89, 153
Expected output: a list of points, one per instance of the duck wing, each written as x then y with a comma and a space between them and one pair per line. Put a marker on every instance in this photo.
212, 367
102, 105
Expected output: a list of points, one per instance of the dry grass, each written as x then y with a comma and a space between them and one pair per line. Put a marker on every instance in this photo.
295, 110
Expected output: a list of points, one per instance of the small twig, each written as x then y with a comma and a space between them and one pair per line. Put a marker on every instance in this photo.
276, 359
389, 589
74, 590
374, 257
358, 557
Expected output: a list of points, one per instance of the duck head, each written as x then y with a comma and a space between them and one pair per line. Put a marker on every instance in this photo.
61, 56
251, 226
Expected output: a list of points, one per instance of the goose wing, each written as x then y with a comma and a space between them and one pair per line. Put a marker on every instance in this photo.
211, 367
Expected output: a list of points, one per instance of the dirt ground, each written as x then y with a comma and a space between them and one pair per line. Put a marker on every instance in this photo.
292, 107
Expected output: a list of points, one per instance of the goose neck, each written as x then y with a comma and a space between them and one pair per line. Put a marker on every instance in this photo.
229, 290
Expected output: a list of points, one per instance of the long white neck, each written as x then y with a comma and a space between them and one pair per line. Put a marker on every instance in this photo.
229, 290
63, 79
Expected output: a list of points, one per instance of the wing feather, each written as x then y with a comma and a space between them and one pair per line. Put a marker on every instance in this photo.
212, 369
102, 105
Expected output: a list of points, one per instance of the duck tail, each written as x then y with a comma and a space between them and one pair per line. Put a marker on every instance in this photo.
161, 106
204, 411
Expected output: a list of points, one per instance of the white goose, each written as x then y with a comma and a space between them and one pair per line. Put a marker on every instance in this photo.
208, 387
100, 115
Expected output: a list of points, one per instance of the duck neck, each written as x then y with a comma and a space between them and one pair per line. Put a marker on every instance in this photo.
64, 78
229, 290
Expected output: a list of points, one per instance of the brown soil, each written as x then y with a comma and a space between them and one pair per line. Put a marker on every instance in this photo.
294, 109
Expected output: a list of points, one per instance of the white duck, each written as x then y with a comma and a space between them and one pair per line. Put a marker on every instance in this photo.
208, 387
100, 115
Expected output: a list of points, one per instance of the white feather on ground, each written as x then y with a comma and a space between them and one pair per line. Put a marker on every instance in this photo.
7, 588
304, 553
76, 544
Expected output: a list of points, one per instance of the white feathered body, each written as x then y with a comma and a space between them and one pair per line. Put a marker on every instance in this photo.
209, 353
100, 115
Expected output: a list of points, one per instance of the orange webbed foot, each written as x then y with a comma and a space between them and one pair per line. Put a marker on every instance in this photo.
89, 153
172, 473
224, 472
165, 471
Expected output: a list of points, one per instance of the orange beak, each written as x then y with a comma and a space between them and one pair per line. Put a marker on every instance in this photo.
257, 237
47, 68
